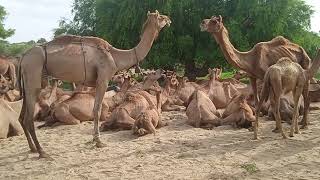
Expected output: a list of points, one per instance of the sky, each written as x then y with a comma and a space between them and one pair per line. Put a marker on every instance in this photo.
34, 19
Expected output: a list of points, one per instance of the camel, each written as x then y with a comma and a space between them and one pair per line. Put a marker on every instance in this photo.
87, 60
150, 119
9, 125
283, 77
256, 61
201, 111
8, 68
238, 113
216, 90
77, 108
184, 90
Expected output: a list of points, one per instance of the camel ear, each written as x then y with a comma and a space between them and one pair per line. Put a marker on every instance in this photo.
157, 12
148, 13
220, 18
212, 17
209, 70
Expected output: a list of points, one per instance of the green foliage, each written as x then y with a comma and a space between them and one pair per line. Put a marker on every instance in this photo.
4, 33
14, 49
183, 45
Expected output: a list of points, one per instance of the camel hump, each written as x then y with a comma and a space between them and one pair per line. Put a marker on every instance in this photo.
284, 60
87, 40
278, 41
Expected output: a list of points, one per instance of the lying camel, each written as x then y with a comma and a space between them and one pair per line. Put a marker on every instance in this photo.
9, 125
238, 113
149, 120
8, 68
123, 117
78, 107
201, 111
283, 77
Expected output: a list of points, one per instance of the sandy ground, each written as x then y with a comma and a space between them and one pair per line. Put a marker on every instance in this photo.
178, 151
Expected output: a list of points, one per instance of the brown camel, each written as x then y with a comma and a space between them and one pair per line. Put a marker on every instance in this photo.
256, 61
216, 90
8, 68
201, 111
283, 77
238, 113
78, 108
88, 60
9, 125
150, 119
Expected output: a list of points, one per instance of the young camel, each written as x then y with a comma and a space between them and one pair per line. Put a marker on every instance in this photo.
281, 78
256, 61
88, 60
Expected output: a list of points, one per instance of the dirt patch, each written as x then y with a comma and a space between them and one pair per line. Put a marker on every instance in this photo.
178, 151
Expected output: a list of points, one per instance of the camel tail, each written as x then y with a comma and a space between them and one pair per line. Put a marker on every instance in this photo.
20, 80
265, 87
314, 66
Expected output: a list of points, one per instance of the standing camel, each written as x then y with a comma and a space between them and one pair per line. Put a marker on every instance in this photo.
281, 78
87, 60
256, 61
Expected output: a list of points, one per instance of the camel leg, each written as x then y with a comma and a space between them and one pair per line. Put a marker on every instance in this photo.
276, 113
294, 122
306, 100
24, 127
101, 87
255, 124
254, 89
30, 105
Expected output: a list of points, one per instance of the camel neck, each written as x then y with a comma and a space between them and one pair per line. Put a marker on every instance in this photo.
125, 59
233, 56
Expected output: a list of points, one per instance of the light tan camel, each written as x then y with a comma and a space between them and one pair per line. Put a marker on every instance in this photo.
9, 125
8, 68
216, 90
256, 61
150, 119
201, 111
78, 108
88, 60
281, 78
238, 113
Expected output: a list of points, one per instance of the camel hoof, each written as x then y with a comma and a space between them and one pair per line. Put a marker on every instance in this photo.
256, 139
33, 150
304, 127
291, 135
285, 137
276, 130
100, 145
297, 132
44, 155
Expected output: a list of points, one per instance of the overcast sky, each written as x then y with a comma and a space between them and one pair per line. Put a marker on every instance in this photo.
33, 19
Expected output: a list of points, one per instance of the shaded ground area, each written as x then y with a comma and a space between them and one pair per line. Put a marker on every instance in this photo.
178, 151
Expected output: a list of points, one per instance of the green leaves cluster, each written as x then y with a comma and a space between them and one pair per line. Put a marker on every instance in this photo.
248, 22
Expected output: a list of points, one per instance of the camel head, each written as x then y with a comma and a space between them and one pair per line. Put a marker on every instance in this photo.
214, 73
156, 20
155, 75
212, 25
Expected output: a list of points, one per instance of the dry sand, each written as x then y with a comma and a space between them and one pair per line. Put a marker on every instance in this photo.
178, 151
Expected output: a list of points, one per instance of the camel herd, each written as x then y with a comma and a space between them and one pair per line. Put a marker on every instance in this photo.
279, 71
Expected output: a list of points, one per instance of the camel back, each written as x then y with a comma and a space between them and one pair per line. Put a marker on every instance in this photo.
85, 40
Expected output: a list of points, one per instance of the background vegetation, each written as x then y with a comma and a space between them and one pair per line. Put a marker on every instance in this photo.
183, 46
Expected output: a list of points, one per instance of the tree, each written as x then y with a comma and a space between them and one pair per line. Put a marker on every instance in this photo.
248, 22
4, 33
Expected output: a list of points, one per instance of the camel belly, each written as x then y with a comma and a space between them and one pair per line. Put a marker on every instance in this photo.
69, 63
